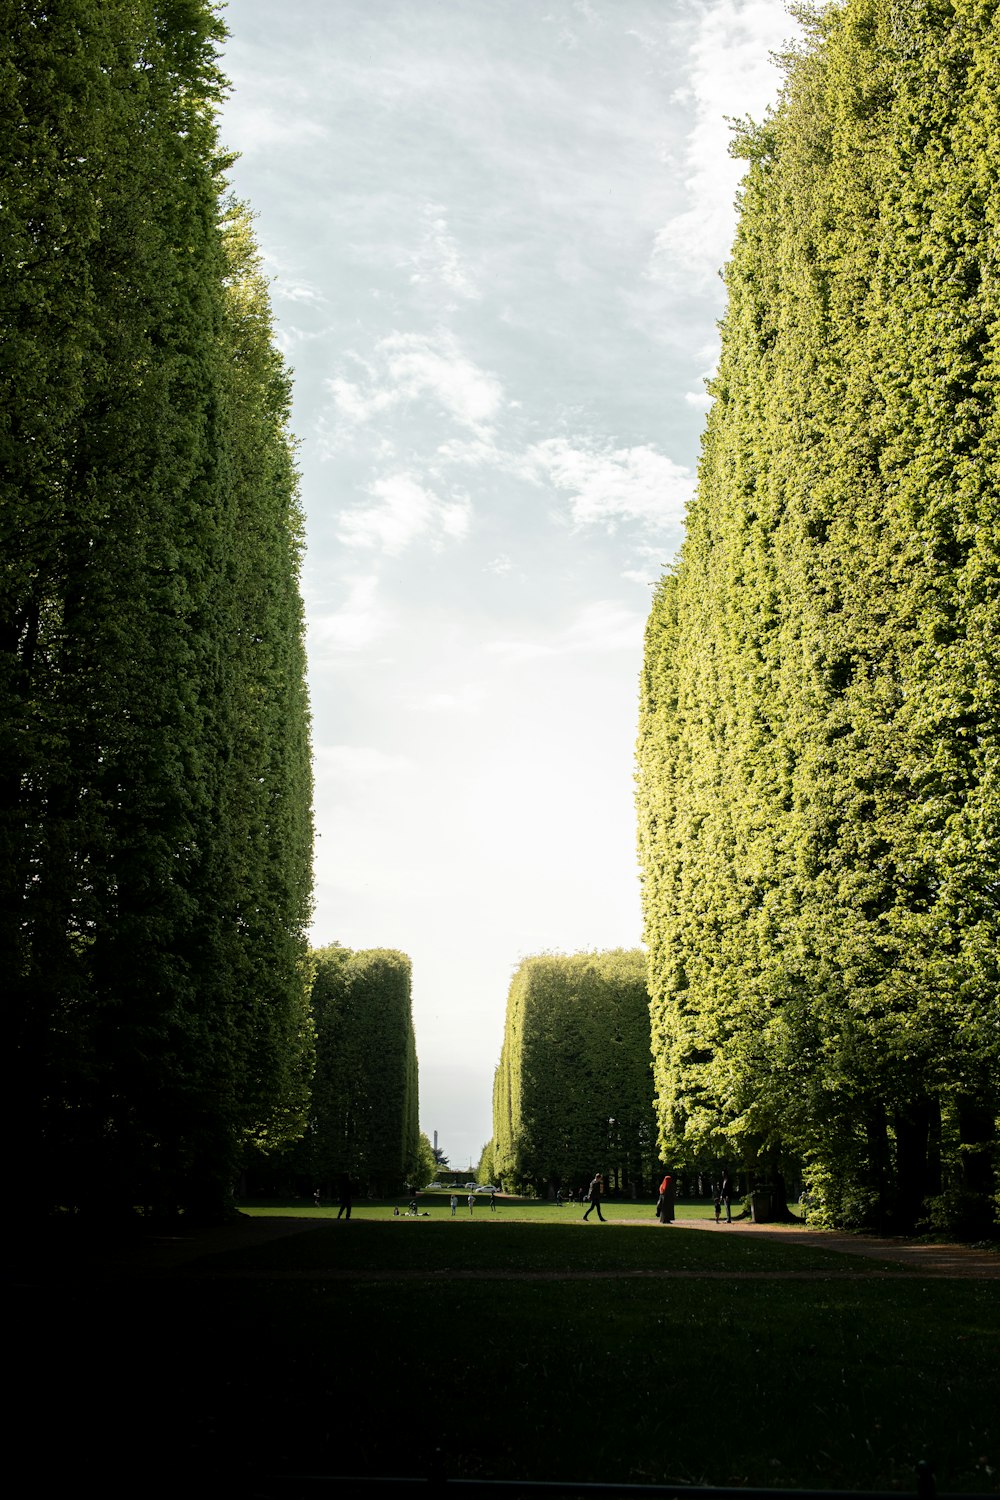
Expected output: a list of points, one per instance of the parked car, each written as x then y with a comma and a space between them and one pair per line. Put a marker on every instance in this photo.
487, 1188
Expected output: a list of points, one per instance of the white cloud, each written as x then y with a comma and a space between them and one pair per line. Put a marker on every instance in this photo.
267, 128
608, 486
411, 367
598, 628
700, 399
648, 565
353, 404
731, 74
476, 453
606, 626
302, 293
286, 283
290, 337
421, 367
466, 699
357, 763
437, 260
403, 512
356, 624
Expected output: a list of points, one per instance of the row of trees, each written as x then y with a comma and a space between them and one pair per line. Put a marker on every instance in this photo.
819, 751
362, 1121
155, 824
573, 1088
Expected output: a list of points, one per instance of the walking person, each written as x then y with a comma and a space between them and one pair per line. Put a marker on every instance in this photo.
454, 1205
725, 1193
493, 1203
665, 1202
472, 1202
346, 1196
596, 1189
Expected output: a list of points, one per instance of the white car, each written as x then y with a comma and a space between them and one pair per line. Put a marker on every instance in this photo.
489, 1188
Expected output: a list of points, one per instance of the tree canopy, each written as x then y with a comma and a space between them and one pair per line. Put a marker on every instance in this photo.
363, 1114
155, 823
818, 793
573, 1088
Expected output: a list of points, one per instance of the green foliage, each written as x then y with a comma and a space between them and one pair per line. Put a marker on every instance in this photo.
155, 826
572, 1092
485, 1170
363, 1111
426, 1167
819, 744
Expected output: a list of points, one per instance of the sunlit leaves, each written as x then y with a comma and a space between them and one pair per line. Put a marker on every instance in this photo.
818, 746
573, 1092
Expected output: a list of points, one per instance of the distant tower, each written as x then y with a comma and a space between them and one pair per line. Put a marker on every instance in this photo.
435, 1142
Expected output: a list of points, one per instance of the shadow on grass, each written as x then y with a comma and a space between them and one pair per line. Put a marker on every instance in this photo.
192, 1383
498, 1245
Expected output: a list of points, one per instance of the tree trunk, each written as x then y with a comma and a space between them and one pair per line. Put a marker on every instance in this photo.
977, 1135
911, 1125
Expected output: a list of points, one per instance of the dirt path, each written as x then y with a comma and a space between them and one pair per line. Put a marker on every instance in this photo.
931, 1260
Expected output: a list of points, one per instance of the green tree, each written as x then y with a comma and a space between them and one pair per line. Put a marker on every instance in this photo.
485, 1170
154, 807
426, 1167
573, 1087
818, 795
362, 1118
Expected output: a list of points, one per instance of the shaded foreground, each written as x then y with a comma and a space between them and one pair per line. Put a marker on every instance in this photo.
522, 1350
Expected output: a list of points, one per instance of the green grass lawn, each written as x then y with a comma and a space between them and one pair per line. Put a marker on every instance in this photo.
530, 1243
786, 1383
261, 1362
530, 1210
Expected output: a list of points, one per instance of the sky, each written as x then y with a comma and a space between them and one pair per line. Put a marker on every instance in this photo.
494, 230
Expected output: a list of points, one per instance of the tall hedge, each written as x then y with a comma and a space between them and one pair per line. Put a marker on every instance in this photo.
573, 1088
154, 773
363, 1116
819, 759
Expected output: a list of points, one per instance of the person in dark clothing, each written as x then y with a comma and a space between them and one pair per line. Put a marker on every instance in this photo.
725, 1193
665, 1202
596, 1189
346, 1196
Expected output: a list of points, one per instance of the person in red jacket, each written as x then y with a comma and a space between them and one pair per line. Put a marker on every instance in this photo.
665, 1202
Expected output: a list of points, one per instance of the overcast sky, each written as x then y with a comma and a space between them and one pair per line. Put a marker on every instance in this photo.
495, 229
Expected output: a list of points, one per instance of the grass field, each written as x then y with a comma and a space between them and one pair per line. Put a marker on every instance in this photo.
527, 1242
529, 1210
524, 1347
